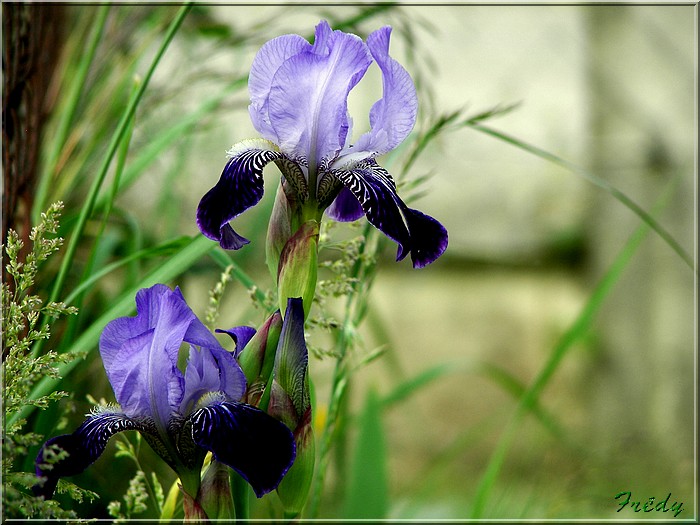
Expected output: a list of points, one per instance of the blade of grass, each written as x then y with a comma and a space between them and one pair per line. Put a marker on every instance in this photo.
597, 181
161, 142
86, 210
575, 332
517, 389
198, 247
166, 248
368, 486
94, 253
74, 90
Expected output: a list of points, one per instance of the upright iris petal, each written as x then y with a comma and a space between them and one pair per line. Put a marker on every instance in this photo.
182, 416
299, 102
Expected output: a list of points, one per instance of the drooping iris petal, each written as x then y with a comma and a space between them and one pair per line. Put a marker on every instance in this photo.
257, 446
428, 237
241, 186
421, 235
140, 354
309, 92
375, 190
83, 446
393, 116
240, 335
266, 63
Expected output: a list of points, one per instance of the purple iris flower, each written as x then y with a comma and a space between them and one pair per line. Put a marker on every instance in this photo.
182, 416
299, 105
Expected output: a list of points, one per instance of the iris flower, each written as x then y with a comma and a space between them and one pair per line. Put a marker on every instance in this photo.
181, 416
299, 105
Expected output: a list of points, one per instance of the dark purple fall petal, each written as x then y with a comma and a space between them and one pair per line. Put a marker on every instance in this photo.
241, 186
375, 190
428, 237
254, 444
83, 446
345, 207
416, 233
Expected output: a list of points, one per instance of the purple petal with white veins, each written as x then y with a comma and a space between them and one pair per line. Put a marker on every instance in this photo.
241, 186
254, 444
140, 354
309, 92
374, 188
266, 63
393, 116
421, 235
83, 447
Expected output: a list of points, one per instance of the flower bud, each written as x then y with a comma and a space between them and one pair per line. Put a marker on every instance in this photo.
290, 403
298, 267
294, 488
215, 492
258, 357
194, 513
279, 230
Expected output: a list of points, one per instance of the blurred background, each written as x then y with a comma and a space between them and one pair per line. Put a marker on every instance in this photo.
532, 287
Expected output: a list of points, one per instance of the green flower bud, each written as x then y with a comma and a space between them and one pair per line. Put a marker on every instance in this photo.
215, 492
194, 513
290, 402
279, 230
294, 488
298, 267
258, 357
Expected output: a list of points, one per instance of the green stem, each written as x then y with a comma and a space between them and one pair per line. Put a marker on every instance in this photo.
362, 272
240, 492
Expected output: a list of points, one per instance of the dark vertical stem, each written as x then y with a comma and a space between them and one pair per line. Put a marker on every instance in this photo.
31, 42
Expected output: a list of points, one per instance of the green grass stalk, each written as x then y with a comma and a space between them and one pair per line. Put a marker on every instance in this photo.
575, 332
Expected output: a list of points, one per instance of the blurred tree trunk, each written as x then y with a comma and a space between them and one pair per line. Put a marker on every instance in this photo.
32, 41
641, 107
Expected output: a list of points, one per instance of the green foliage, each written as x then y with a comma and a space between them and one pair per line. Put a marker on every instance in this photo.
21, 311
134, 500
368, 485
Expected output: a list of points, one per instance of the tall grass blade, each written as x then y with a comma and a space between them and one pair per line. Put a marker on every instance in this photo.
368, 486
575, 332
86, 210
597, 181
75, 90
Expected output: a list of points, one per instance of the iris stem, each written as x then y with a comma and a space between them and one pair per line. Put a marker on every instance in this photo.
240, 492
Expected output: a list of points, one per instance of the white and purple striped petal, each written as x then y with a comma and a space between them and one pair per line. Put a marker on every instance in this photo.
83, 447
241, 186
415, 233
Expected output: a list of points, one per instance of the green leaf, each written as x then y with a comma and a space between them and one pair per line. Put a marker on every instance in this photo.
368, 486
